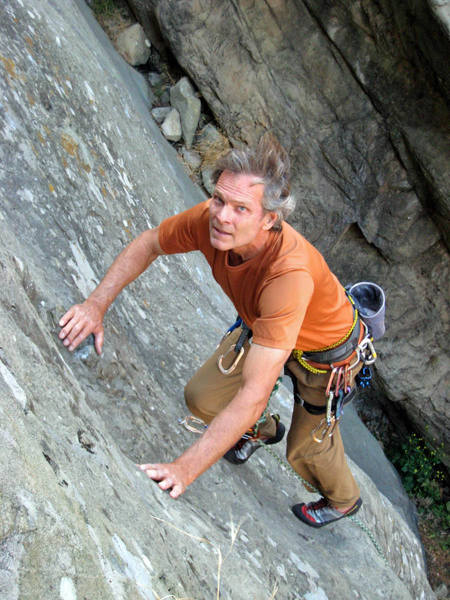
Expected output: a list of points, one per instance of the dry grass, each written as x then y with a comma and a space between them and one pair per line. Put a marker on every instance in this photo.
234, 531
211, 151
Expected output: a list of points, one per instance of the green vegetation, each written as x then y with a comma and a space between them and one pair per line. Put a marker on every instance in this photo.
424, 478
103, 7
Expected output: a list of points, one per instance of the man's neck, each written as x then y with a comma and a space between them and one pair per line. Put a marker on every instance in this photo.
238, 256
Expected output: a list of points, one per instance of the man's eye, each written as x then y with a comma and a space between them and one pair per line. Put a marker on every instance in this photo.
242, 208
217, 200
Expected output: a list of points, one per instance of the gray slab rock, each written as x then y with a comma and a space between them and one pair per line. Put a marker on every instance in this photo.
84, 169
358, 93
366, 452
133, 45
183, 98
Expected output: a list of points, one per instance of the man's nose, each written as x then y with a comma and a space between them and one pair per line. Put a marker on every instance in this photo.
225, 213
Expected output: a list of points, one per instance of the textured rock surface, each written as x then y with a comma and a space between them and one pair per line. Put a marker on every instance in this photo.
83, 169
160, 113
133, 45
171, 126
183, 98
358, 91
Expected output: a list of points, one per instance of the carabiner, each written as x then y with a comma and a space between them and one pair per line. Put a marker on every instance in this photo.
372, 356
234, 364
329, 408
193, 424
337, 387
326, 429
330, 381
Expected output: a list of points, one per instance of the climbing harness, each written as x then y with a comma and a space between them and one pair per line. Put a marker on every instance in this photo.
338, 359
238, 347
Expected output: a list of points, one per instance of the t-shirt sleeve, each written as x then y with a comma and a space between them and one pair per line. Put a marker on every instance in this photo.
282, 306
184, 232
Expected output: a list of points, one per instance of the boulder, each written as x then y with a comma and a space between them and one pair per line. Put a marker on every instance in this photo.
192, 158
209, 135
154, 78
159, 113
207, 181
358, 93
133, 45
183, 98
171, 126
84, 169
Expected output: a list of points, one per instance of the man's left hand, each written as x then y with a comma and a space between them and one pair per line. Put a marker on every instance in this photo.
169, 477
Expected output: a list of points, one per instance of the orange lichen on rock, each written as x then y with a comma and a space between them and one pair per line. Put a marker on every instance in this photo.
69, 145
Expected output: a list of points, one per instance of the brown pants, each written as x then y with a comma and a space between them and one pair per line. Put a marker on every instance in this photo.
322, 465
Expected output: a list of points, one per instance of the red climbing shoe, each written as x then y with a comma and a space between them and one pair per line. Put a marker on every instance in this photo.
320, 513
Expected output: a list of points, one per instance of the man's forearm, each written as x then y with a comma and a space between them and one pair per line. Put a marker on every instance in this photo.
127, 266
222, 433
261, 369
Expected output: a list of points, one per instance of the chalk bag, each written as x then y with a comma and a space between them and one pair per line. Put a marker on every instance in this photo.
371, 303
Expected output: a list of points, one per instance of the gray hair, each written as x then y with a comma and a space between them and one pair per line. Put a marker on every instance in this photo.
268, 161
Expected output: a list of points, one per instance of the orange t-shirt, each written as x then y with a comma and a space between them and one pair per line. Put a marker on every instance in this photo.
286, 294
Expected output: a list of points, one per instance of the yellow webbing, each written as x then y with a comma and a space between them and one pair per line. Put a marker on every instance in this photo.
298, 353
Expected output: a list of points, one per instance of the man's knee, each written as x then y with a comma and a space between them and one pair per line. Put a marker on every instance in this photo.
190, 395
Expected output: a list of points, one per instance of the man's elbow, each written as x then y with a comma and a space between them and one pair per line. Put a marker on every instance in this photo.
257, 395
150, 241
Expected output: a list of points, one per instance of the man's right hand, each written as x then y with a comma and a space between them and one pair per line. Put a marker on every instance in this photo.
80, 321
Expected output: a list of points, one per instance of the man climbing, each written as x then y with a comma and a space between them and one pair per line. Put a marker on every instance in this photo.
295, 311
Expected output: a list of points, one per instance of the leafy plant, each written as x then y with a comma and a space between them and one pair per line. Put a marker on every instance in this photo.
423, 475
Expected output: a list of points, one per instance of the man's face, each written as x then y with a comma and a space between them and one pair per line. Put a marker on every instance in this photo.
237, 220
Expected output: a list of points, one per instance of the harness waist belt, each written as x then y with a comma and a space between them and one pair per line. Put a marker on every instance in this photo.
340, 352
320, 410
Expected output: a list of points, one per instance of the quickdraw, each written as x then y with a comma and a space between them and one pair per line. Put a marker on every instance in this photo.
338, 392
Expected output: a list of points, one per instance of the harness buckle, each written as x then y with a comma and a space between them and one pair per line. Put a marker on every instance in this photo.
235, 362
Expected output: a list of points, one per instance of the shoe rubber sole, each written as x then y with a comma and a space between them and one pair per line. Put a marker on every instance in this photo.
297, 510
231, 457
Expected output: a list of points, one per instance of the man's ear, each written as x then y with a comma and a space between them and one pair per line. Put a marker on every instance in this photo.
269, 220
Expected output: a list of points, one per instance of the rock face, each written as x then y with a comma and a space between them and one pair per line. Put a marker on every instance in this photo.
84, 168
358, 92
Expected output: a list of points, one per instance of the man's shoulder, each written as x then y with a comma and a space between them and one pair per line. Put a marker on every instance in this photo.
185, 231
